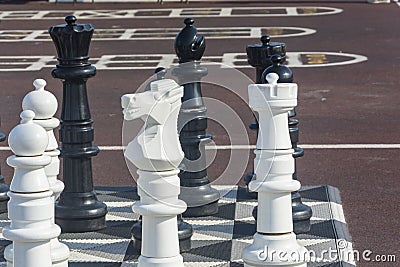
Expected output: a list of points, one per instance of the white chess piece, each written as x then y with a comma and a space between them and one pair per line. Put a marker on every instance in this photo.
44, 104
157, 146
31, 208
274, 167
157, 153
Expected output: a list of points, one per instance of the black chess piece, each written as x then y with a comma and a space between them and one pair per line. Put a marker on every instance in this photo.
78, 209
259, 56
301, 213
185, 230
3, 187
196, 191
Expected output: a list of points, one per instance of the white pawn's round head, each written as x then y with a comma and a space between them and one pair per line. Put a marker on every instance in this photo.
40, 101
28, 139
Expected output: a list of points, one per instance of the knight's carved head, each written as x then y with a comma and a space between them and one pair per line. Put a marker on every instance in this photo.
154, 106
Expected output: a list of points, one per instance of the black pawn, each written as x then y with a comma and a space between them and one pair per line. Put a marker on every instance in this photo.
3, 187
185, 230
301, 213
196, 191
259, 56
78, 209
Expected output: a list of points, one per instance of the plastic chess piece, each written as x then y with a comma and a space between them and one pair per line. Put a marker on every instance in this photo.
31, 208
185, 230
259, 56
201, 198
274, 167
4, 188
156, 152
45, 105
78, 209
301, 213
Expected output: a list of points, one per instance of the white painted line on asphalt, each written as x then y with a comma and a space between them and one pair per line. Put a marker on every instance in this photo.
152, 61
244, 147
162, 33
292, 11
173, 13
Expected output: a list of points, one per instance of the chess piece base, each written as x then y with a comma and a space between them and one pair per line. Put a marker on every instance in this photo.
205, 210
82, 213
176, 261
185, 232
201, 200
261, 252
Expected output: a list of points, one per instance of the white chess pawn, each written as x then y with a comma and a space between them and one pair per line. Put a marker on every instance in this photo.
157, 153
44, 104
274, 243
31, 208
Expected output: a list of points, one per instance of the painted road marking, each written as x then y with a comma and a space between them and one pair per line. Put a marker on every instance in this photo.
244, 147
172, 13
152, 61
161, 33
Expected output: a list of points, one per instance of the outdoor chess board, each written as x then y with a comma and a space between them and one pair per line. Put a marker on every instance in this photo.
217, 241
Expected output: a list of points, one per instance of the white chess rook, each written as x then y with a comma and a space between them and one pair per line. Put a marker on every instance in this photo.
274, 243
44, 105
31, 207
157, 153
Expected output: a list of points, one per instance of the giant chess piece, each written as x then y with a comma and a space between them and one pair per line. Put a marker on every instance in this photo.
78, 209
3, 187
185, 230
30, 208
301, 213
274, 243
201, 198
156, 152
259, 56
44, 105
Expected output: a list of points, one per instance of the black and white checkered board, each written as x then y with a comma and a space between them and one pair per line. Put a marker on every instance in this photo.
217, 241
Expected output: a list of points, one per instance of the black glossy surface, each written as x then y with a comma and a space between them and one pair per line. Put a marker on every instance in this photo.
301, 213
259, 55
77, 209
192, 121
285, 74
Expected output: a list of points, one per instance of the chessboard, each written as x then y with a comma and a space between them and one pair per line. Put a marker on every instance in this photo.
217, 241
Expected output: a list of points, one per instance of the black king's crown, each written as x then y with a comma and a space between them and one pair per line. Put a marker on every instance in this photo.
72, 42
188, 46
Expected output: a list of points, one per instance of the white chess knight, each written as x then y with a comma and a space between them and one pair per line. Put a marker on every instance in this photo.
156, 152
44, 104
156, 147
31, 207
274, 243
